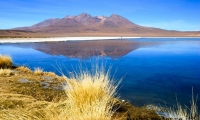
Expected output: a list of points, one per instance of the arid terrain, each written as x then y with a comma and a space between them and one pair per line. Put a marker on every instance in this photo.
87, 25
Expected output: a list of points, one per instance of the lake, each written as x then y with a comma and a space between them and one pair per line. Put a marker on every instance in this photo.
154, 70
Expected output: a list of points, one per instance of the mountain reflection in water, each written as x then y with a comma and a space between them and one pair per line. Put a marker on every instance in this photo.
86, 49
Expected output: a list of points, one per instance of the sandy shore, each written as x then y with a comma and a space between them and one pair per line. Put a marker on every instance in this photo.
52, 39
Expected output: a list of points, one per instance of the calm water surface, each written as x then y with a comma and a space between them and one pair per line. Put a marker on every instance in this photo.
154, 71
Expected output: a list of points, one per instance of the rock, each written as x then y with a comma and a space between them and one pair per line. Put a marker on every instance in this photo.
45, 87
23, 81
154, 107
48, 78
45, 84
63, 86
58, 88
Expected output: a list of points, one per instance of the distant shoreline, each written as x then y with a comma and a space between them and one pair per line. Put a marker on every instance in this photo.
58, 39
63, 39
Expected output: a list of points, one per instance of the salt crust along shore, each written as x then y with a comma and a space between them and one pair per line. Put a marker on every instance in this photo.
55, 39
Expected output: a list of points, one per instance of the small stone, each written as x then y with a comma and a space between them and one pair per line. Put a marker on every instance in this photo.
45, 87
63, 86
44, 84
23, 81
48, 78
58, 88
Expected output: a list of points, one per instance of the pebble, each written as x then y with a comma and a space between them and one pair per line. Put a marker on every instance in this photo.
23, 81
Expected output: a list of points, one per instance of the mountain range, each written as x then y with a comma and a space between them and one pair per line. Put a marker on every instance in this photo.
87, 25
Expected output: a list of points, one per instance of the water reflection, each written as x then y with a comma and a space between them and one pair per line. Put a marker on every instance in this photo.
86, 49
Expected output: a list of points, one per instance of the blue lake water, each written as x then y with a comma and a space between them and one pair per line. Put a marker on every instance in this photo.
154, 70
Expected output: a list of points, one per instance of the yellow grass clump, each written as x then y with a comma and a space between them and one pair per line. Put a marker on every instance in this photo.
5, 61
90, 95
23, 69
50, 74
5, 72
38, 71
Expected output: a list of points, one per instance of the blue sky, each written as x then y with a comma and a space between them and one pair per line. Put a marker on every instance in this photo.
180, 15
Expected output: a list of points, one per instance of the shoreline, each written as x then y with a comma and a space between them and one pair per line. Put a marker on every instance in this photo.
57, 39
63, 39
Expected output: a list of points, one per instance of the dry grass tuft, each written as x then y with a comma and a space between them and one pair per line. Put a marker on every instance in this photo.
5, 72
5, 61
52, 74
10, 101
38, 71
20, 107
90, 95
183, 112
23, 69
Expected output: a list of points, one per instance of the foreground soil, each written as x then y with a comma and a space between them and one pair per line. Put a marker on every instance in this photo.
23, 88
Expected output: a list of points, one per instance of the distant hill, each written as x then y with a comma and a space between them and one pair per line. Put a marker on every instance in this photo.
87, 25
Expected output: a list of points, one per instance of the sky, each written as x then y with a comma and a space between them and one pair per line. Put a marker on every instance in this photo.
182, 15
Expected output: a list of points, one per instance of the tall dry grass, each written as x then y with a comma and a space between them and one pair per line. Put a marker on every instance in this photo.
23, 69
5, 61
19, 107
38, 71
90, 94
16, 114
183, 112
5, 72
